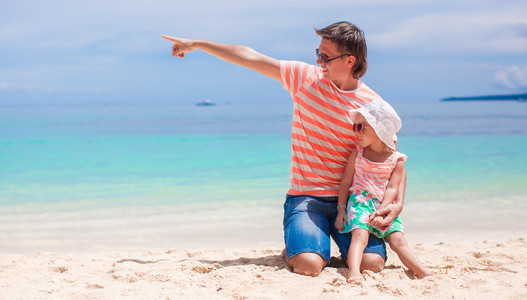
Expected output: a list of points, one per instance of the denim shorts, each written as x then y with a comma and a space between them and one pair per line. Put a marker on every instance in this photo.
309, 222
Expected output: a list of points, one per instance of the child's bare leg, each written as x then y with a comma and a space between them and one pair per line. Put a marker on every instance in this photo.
399, 244
359, 240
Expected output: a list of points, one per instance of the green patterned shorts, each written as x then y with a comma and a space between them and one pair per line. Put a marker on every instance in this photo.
361, 205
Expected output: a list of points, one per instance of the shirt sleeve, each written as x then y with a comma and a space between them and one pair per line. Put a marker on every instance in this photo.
293, 74
401, 156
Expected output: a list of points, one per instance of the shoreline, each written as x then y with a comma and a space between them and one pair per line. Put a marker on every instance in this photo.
233, 224
228, 225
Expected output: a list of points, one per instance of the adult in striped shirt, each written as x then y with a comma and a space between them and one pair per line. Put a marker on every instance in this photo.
322, 139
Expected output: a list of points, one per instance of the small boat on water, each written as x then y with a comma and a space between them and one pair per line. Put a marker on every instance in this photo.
205, 102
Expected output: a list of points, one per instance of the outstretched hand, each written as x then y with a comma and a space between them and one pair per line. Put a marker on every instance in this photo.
180, 47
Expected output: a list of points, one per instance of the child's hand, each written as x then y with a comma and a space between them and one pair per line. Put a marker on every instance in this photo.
388, 214
341, 219
376, 221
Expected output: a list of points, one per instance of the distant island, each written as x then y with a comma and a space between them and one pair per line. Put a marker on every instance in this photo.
515, 97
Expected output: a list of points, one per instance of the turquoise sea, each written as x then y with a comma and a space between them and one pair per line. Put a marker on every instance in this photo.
86, 177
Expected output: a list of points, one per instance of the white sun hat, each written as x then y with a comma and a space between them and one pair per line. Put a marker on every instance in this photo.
382, 118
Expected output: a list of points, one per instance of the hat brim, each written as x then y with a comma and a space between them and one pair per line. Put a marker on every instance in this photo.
373, 122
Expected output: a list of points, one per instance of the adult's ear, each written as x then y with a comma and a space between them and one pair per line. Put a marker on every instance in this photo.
350, 62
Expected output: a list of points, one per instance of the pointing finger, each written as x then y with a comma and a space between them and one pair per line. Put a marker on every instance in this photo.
169, 38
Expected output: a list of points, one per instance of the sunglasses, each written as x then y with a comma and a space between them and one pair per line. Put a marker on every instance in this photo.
359, 127
326, 60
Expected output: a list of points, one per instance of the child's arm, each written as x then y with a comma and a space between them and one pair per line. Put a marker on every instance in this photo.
344, 189
391, 211
391, 191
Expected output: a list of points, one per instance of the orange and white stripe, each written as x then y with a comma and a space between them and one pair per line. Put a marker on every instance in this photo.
374, 176
321, 135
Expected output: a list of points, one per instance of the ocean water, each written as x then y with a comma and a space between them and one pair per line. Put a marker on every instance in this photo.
97, 176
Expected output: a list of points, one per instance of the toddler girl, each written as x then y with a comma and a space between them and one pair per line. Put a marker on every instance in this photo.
371, 182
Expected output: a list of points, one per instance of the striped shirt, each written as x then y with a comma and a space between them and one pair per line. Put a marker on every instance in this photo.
374, 176
321, 135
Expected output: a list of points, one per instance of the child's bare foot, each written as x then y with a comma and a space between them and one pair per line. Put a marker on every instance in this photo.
424, 274
354, 277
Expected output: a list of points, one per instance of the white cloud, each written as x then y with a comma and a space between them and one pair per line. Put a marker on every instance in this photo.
411, 24
90, 45
482, 29
512, 78
4, 86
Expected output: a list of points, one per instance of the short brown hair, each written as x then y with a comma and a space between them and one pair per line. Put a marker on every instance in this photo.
350, 40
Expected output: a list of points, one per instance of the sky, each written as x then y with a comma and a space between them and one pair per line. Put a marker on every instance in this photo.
59, 51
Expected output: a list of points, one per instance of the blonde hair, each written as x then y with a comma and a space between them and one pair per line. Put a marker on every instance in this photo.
386, 148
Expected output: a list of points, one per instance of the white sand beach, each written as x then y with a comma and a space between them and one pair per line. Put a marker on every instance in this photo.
180, 253
472, 270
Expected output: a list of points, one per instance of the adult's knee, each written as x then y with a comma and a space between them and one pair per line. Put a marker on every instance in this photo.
372, 262
310, 264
